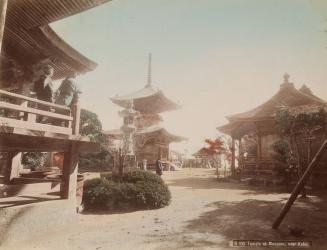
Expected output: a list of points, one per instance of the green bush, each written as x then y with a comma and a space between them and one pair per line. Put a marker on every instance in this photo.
137, 190
145, 176
96, 193
33, 160
152, 194
281, 151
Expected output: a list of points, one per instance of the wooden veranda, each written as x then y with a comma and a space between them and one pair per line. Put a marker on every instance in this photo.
31, 125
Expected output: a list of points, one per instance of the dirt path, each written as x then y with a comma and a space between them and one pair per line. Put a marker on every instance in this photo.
204, 214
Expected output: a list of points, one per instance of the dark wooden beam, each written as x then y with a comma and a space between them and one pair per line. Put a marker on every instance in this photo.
233, 157
26, 143
3, 11
69, 174
300, 185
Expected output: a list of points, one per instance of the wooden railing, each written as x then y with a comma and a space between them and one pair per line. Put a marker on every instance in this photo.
26, 113
252, 165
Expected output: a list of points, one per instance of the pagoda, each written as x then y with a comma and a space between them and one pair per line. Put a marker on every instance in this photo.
151, 139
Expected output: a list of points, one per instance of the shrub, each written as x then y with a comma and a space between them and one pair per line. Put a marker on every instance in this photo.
96, 193
152, 195
34, 160
281, 151
137, 190
144, 176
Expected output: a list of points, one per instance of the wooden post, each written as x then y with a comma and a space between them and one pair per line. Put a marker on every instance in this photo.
69, 173
11, 168
258, 159
76, 113
240, 156
299, 186
233, 157
3, 11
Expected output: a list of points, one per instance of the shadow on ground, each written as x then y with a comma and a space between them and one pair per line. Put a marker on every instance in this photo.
252, 220
22, 200
210, 182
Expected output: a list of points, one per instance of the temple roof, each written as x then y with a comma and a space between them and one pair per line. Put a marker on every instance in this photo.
148, 100
287, 96
162, 131
29, 40
149, 131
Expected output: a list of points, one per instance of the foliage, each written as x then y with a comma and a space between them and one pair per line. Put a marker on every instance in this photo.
291, 123
96, 193
138, 190
281, 151
145, 176
212, 152
300, 127
214, 147
33, 160
91, 126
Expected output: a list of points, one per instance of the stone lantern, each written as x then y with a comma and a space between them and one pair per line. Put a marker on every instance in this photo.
128, 128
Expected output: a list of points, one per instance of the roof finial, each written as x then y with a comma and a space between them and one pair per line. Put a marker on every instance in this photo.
149, 80
286, 77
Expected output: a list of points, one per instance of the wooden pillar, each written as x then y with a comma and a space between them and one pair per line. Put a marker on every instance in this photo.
258, 158
233, 157
69, 173
240, 155
12, 166
76, 113
3, 11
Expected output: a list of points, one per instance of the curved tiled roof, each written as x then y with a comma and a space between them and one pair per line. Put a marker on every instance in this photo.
287, 96
118, 134
148, 100
28, 38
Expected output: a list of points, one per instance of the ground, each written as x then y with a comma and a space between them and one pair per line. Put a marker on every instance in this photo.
204, 214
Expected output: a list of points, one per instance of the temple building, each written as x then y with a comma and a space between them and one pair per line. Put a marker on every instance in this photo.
257, 130
151, 138
28, 124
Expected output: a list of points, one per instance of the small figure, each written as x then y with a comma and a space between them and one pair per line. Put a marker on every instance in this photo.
144, 164
68, 92
158, 167
43, 87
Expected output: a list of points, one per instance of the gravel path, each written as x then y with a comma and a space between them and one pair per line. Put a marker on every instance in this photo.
204, 214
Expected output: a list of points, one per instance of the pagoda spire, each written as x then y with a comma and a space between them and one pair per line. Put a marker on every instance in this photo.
149, 80
287, 83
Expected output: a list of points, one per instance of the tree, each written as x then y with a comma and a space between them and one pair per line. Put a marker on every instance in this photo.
213, 151
91, 126
300, 126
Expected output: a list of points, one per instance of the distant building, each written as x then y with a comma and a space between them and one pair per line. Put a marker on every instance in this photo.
260, 123
151, 139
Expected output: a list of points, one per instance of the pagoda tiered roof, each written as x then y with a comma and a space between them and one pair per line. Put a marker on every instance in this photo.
149, 131
147, 100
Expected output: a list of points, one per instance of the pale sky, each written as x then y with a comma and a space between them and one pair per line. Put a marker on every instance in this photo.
214, 57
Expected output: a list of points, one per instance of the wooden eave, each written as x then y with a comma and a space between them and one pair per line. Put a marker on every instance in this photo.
151, 102
28, 39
